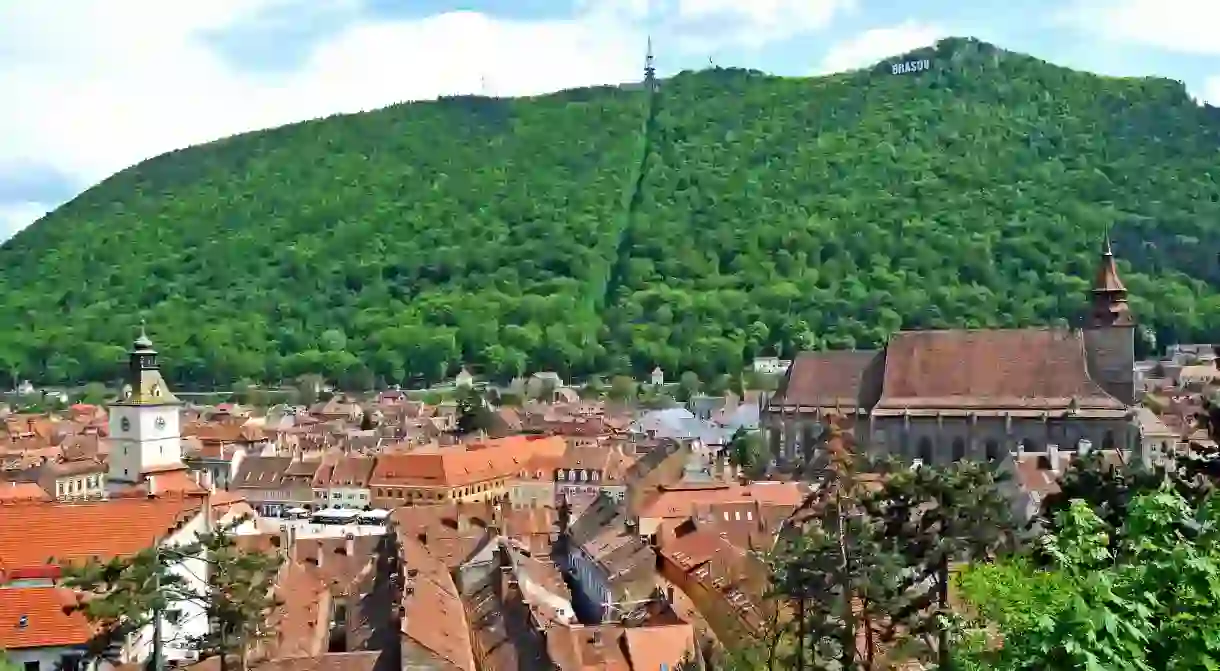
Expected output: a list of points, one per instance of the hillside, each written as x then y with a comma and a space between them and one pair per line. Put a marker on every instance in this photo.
602, 229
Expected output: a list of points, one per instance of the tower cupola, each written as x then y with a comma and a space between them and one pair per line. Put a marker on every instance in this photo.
1108, 298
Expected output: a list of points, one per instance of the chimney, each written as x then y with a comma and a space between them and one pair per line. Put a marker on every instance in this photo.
350, 545
1052, 455
423, 537
596, 639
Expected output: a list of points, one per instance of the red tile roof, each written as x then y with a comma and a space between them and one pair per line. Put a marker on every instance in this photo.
824, 379
11, 492
37, 617
78, 531
991, 369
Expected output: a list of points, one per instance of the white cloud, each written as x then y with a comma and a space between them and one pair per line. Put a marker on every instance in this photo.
757, 22
1211, 91
872, 46
705, 25
16, 216
1188, 26
101, 86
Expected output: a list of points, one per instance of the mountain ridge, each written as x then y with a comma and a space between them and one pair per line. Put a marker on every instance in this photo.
766, 211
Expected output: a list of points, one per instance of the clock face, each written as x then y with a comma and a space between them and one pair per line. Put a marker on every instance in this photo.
125, 424
160, 422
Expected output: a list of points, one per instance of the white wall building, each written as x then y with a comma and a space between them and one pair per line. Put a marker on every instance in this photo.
145, 435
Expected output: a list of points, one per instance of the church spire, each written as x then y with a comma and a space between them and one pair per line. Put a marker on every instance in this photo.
1109, 295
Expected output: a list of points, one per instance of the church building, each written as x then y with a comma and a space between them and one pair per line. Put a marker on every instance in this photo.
145, 435
945, 395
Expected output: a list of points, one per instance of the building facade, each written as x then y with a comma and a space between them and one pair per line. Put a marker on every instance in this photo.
944, 395
144, 423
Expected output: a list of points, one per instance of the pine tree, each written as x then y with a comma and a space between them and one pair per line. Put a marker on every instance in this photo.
833, 570
240, 596
932, 517
123, 594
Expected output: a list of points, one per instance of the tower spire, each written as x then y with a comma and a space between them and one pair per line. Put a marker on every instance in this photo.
1109, 295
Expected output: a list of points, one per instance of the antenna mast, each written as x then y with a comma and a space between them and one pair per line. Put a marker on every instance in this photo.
650, 70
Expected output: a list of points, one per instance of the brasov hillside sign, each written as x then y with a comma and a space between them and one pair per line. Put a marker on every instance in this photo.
910, 66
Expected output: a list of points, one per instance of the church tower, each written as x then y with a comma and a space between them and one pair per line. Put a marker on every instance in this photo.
144, 422
1109, 331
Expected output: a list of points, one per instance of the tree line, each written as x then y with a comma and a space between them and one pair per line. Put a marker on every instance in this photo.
768, 215
890, 564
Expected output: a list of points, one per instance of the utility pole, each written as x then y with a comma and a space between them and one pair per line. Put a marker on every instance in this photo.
158, 612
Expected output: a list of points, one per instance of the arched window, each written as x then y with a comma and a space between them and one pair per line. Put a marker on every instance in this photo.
1107, 443
993, 451
925, 450
959, 449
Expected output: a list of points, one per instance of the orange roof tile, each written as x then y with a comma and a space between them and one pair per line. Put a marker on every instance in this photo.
457, 467
434, 615
679, 502
36, 617
78, 531
11, 492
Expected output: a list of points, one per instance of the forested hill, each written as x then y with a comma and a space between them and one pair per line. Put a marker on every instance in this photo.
604, 229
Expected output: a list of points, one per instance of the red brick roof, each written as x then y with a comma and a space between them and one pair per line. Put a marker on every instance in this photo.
824, 379
990, 369
46, 620
78, 531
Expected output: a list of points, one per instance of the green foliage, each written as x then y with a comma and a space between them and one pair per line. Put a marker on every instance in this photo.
93, 393
125, 592
611, 230
1148, 603
7, 664
622, 388
473, 414
1013, 593
871, 561
748, 452
930, 518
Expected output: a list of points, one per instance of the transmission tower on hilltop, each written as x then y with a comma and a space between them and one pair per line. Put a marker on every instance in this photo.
650, 70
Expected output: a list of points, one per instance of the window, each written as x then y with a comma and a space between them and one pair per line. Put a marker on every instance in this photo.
959, 449
31, 665
925, 450
993, 451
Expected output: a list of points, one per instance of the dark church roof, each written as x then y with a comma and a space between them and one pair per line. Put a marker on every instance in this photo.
825, 380
1018, 369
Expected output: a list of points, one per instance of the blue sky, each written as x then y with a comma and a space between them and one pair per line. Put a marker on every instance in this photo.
102, 85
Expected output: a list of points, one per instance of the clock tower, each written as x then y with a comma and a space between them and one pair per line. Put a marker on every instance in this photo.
144, 422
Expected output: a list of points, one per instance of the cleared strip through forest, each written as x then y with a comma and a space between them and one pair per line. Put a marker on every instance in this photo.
626, 238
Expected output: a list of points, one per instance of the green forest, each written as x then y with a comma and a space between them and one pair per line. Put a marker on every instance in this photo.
725, 214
